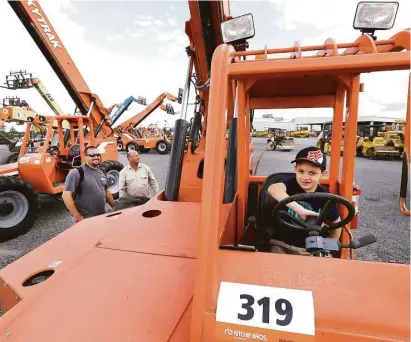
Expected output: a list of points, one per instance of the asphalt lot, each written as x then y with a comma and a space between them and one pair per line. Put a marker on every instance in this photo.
379, 212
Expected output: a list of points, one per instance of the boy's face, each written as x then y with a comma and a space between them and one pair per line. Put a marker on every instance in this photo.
308, 175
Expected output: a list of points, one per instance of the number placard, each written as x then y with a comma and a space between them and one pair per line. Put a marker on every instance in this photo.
266, 307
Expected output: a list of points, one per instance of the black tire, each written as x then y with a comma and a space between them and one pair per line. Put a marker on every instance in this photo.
19, 207
162, 147
120, 146
112, 170
13, 158
143, 150
132, 147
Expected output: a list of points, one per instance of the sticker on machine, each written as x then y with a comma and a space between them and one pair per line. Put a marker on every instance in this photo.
24, 159
263, 313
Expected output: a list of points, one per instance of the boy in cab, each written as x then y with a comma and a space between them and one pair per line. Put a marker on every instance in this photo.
310, 167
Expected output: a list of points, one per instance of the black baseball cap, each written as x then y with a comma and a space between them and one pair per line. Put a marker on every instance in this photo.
312, 154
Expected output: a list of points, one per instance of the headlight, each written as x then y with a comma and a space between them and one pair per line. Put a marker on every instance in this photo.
375, 15
239, 28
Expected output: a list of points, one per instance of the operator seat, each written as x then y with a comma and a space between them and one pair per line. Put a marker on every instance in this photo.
73, 158
74, 151
265, 220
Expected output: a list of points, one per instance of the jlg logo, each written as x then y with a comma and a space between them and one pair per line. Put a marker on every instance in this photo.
43, 24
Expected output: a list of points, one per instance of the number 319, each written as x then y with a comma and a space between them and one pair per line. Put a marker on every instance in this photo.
282, 306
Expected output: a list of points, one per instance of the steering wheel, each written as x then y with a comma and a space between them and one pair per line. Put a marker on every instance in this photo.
54, 151
313, 222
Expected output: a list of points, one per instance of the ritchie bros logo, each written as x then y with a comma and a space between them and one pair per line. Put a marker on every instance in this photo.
241, 335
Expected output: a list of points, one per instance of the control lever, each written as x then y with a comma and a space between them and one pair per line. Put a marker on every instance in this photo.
361, 242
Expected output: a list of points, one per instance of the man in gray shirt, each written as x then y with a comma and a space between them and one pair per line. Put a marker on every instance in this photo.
93, 193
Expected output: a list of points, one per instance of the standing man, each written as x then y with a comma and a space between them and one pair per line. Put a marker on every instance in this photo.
87, 198
136, 181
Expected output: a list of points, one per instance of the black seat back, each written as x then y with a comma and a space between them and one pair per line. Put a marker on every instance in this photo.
74, 151
266, 203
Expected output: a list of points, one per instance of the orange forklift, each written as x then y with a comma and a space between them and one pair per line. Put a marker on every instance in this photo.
44, 171
131, 138
206, 235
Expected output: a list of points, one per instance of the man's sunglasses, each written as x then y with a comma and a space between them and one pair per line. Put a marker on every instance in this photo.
92, 155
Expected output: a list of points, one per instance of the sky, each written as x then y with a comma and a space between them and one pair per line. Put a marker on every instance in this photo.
137, 48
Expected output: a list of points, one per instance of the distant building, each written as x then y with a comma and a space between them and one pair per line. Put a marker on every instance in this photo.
313, 123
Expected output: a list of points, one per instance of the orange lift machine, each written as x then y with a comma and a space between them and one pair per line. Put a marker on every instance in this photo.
192, 264
130, 138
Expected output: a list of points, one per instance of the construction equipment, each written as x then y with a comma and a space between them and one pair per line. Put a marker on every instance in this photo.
131, 138
45, 170
279, 141
21, 79
19, 112
371, 143
301, 132
192, 264
324, 139
394, 136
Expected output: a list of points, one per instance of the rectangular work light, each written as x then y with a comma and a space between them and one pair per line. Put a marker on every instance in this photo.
371, 16
239, 28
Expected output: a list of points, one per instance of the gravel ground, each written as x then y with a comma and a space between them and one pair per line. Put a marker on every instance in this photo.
379, 212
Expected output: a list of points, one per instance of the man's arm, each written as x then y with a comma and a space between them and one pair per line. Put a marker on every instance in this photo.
109, 198
278, 192
122, 184
153, 182
70, 186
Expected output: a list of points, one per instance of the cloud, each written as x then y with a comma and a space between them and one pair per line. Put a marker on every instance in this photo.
144, 23
172, 21
393, 107
113, 38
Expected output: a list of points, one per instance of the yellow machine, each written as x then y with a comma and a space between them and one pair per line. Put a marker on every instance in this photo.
324, 139
372, 144
301, 132
394, 137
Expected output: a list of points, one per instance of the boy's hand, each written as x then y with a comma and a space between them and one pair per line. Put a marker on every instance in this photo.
305, 212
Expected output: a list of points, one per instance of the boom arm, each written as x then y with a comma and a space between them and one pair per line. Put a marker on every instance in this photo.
139, 117
45, 94
38, 25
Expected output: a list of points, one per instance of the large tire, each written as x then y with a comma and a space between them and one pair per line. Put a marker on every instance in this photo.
19, 207
13, 158
132, 147
112, 170
162, 147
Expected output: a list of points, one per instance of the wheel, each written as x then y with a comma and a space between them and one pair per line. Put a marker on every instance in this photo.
19, 206
132, 147
11, 158
119, 146
112, 170
162, 147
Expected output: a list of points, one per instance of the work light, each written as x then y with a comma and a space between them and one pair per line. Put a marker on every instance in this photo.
239, 28
371, 16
